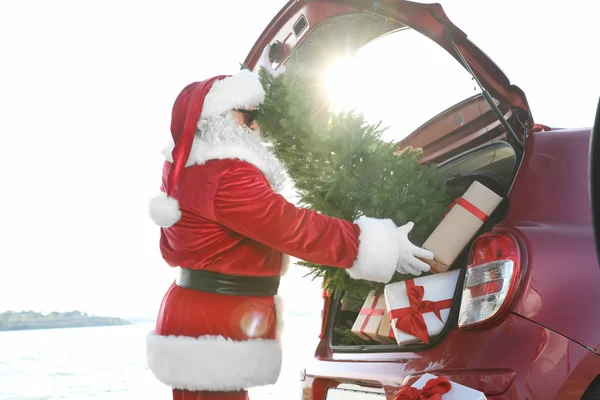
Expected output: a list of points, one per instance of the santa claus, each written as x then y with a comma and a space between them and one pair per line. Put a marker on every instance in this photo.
225, 225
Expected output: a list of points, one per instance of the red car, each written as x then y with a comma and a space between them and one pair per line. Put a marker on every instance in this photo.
524, 321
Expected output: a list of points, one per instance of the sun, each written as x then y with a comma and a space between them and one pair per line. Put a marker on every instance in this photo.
352, 83
338, 81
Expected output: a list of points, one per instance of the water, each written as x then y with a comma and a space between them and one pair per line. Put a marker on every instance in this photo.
108, 363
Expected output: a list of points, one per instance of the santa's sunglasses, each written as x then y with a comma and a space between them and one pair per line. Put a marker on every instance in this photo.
250, 115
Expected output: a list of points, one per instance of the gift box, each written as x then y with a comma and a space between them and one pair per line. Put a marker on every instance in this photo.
386, 333
370, 316
419, 308
428, 386
467, 214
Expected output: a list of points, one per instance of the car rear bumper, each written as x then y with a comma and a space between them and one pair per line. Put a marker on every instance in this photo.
517, 359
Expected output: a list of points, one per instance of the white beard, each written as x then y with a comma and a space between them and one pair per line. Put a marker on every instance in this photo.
224, 128
221, 137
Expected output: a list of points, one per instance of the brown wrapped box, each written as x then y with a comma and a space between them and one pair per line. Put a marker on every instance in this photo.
458, 227
386, 333
369, 319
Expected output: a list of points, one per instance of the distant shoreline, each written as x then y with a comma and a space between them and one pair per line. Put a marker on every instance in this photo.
30, 320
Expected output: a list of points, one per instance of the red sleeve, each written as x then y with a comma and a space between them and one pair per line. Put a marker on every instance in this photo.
245, 202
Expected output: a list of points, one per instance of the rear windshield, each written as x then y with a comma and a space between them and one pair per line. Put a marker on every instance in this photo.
497, 159
402, 79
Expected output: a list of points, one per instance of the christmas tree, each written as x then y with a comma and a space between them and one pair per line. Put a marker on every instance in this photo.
342, 168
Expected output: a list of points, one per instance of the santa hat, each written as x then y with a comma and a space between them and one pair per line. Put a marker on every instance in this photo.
213, 96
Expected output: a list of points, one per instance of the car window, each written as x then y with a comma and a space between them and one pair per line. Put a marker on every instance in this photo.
498, 158
402, 79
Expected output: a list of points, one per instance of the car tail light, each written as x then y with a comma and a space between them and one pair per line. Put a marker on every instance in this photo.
324, 314
493, 274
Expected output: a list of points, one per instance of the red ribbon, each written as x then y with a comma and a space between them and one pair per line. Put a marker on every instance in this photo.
410, 319
433, 390
539, 128
370, 311
433, 270
470, 207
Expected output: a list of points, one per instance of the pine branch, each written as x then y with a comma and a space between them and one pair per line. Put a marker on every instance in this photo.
341, 167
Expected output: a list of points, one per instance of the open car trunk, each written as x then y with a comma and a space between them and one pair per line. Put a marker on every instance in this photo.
470, 137
494, 165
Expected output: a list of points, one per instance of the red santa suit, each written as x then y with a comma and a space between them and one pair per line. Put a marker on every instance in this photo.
220, 212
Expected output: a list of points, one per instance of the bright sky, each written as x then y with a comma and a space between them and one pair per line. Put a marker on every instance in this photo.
86, 91
410, 86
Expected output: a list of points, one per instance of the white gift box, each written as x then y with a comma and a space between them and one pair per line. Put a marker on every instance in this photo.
437, 288
457, 391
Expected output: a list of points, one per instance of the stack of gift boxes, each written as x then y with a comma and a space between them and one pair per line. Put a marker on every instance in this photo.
416, 310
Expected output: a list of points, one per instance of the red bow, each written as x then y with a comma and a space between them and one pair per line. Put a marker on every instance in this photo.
433, 390
410, 319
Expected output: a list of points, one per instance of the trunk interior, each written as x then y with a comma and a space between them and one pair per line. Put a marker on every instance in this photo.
494, 165
459, 132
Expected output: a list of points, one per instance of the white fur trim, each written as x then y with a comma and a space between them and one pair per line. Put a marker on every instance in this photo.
378, 251
240, 90
164, 210
285, 264
244, 147
213, 363
203, 152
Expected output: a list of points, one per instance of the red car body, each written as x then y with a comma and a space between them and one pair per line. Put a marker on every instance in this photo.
545, 344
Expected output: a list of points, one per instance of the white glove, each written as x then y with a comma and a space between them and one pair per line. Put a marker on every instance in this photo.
408, 263
266, 63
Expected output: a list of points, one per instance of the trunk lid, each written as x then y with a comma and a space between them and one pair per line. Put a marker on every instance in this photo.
317, 33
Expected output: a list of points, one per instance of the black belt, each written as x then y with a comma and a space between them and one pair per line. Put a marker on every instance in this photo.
236, 285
